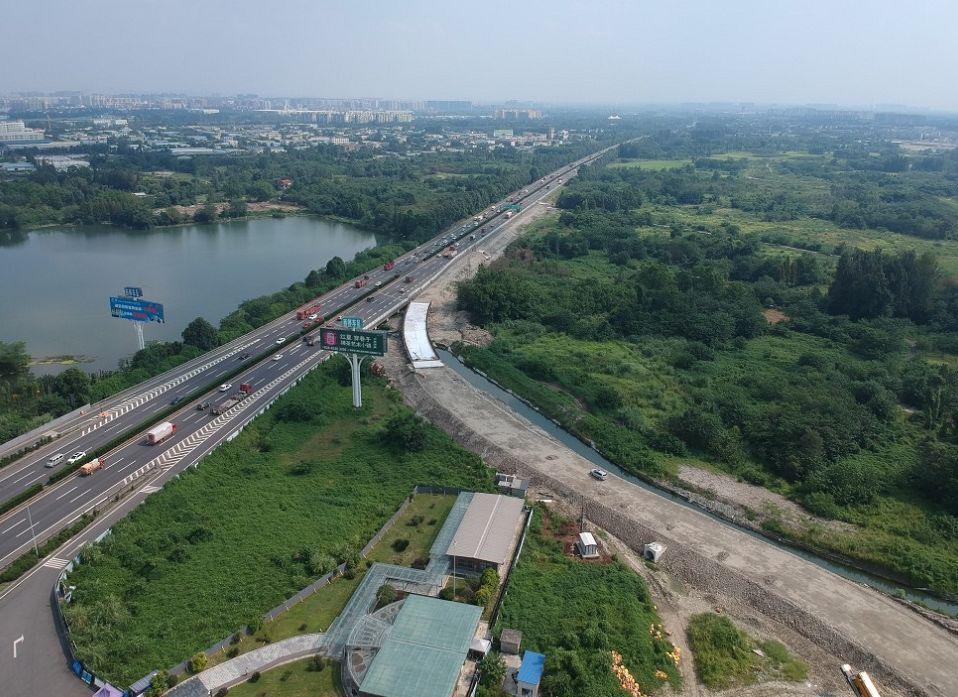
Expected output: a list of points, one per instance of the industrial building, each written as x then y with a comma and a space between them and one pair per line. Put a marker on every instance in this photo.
487, 534
414, 648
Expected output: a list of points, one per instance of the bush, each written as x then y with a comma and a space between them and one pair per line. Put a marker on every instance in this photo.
255, 676
198, 663
400, 544
406, 431
386, 595
316, 664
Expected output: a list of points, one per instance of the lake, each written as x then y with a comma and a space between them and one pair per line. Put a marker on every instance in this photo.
55, 284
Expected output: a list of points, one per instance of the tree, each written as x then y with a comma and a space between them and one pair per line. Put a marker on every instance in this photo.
14, 360
73, 385
336, 268
206, 214
407, 431
237, 208
492, 670
201, 334
198, 663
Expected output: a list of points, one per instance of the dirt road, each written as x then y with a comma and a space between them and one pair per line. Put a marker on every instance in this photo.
853, 623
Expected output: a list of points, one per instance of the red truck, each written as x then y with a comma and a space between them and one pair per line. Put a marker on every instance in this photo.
360, 282
306, 311
388, 266
160, 432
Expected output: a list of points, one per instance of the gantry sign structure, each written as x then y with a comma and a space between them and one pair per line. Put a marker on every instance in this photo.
355, 345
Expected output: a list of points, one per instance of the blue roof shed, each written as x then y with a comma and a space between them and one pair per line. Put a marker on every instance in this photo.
530, 672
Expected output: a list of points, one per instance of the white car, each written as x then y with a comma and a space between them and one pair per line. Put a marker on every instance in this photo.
225, 387
601, 475
281, 340
76, 457
313, 316
54, 460
278, 357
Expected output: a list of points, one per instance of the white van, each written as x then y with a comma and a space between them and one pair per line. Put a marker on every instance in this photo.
55, 460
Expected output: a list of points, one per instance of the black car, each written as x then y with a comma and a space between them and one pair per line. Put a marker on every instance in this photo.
370, 298
176, 400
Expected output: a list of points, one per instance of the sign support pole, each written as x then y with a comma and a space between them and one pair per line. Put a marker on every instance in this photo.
139, 335
355, 361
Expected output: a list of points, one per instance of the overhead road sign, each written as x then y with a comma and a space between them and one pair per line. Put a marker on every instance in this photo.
353, 322
133, 292
351, 341
136, 309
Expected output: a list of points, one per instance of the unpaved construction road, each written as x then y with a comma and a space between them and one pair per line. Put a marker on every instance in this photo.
846, 621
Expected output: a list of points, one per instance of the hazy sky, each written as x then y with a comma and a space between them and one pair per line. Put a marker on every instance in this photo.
791, 51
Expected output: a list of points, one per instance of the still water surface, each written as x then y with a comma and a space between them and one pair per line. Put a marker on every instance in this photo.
55, 284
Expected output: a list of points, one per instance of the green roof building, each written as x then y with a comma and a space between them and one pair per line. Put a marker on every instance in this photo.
422, 653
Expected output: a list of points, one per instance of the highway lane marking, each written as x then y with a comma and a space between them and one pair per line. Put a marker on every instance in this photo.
191, 416
15, 642
22, 520
37, 478
115, 461
56, 563
126, 465
79, 496
68, 491
23, 477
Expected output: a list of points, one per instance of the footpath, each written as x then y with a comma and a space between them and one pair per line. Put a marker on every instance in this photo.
854, 623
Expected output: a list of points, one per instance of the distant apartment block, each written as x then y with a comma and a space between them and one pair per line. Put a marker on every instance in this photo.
518, 114
16, 133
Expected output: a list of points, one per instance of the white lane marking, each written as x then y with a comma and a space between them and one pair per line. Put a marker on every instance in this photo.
190, 417
35, 479
23, 477
55, 563
126, 465
68, 491
15, 642
113, 462
22, 520
79, 496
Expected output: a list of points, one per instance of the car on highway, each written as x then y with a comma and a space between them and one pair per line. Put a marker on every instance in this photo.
281, 340
313, 316
370, 298
278, 357
76, 457
601, 475
378, 284
55, 460
225, 387
175, 401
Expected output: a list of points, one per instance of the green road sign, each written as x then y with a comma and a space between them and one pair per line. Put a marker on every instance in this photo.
351, 341
353, 322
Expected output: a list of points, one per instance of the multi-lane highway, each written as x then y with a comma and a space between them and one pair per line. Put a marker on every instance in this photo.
31, 651
199, 431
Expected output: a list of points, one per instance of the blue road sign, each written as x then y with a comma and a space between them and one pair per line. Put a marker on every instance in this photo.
353, 322
136, 310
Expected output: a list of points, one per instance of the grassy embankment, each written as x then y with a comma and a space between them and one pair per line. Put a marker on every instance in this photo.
299, 490
725, 656
578, 613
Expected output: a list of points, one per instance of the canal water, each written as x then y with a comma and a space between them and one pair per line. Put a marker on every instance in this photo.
573, 443
55, 283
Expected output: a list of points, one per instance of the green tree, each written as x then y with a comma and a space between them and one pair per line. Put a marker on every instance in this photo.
201, 334
14, 360
336, 268
237, 208
198, 662
407, 431
492, 670
73, 385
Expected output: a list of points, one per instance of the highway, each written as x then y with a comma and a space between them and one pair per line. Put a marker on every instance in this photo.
32, 657
62, 503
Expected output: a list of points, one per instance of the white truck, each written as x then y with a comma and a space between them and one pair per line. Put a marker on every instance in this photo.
160, 432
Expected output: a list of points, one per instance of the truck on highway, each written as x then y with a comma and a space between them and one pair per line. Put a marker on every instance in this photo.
388, 266
306, 311
310, 339
160, 432
91, 467
245, 390
409, 279
449, 253
360, 282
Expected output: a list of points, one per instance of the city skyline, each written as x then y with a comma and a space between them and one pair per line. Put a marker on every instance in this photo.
561, 53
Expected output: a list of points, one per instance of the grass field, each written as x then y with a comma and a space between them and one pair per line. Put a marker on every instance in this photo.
578, 613
293, 680
259, 518
649, 164
418, 525
725, 656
